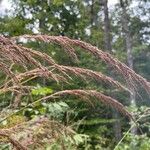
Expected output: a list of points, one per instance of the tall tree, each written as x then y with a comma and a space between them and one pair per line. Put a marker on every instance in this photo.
128, 44
108, 46
107, 30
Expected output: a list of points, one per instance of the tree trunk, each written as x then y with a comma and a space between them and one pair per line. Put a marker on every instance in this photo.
128, 42
108, 46
107, 31
117, 125
92, 13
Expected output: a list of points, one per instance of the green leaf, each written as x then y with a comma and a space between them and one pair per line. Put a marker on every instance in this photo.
57, 107
63, 104
78, 138
58, 2
41, 91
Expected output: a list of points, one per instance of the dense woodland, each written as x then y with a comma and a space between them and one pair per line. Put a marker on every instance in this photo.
75, 74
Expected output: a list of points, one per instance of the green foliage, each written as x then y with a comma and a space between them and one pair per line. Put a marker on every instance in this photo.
138, 142
56, 110
58, 2
5, 146
14, 27
69, 142
38, 90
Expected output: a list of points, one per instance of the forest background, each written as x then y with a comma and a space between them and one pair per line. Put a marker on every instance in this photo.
120, 28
